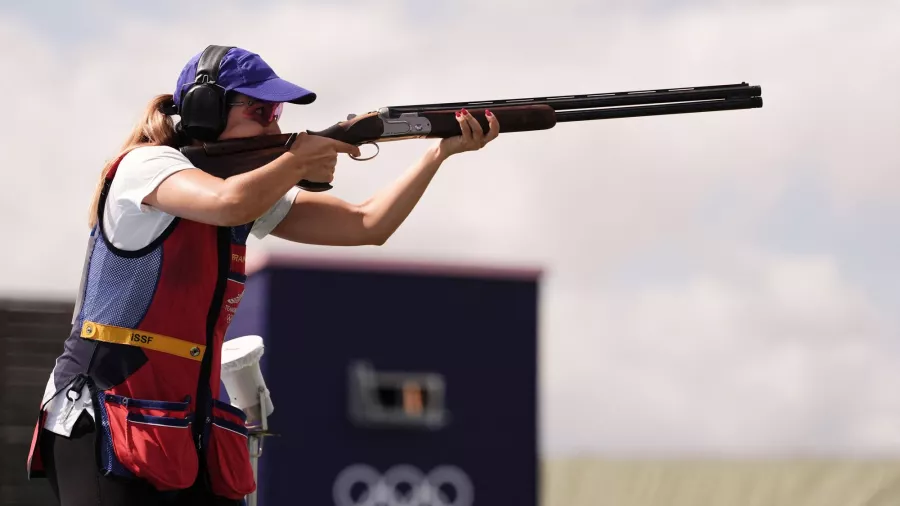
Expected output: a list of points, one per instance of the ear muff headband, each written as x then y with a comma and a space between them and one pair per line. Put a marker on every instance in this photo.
203, 110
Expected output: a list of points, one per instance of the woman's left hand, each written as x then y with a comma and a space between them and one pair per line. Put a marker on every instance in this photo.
473, 137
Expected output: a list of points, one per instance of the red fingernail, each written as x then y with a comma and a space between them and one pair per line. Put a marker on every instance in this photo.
487, 112
458, 114
464, 111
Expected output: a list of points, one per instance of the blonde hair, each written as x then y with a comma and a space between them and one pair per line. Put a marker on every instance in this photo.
155, 128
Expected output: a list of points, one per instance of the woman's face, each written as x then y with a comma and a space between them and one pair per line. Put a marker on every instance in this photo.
249, 117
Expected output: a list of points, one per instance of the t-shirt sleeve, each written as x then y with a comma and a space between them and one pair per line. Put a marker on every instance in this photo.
268, 221
143, 169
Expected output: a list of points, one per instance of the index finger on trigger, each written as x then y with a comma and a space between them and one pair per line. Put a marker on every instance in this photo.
343, 147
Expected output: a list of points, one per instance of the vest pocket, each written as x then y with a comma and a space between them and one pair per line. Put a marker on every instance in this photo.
228, 454
149, 439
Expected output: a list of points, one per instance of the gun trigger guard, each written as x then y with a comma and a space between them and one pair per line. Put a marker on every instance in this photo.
377, 150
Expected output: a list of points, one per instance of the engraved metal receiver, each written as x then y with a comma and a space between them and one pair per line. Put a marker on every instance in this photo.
407, 125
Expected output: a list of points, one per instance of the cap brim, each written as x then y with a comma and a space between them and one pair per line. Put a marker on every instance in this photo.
277, 90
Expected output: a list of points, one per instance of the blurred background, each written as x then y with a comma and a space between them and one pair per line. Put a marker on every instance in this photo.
687, 309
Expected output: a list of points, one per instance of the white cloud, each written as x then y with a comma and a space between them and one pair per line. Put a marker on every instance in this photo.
785, 356
581, 199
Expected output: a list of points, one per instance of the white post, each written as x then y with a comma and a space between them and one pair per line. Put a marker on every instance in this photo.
255, 444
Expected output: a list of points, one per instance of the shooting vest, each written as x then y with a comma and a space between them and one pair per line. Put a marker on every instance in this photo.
146, 339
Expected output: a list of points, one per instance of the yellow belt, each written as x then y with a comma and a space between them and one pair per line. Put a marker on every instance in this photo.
140, 338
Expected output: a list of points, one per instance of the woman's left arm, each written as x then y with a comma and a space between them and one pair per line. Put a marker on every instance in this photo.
319, 218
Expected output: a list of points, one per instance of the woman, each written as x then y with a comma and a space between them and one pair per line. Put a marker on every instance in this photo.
130, 415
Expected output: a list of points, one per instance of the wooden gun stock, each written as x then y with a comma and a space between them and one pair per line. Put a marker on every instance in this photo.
236, 156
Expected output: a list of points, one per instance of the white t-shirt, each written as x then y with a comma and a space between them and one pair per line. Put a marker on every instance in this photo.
130, 225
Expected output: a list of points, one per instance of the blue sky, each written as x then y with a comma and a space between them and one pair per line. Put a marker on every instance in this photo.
802, 221
863, 241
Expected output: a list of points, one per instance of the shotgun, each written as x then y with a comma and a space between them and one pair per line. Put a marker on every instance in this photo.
235, 156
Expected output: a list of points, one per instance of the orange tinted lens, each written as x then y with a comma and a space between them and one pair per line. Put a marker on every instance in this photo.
265, 112
276, 112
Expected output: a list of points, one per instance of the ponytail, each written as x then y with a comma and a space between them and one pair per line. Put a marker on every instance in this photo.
156, 128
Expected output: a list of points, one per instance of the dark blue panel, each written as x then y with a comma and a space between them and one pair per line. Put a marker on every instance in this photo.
481, 334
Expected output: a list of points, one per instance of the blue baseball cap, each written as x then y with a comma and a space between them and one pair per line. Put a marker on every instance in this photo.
246, 72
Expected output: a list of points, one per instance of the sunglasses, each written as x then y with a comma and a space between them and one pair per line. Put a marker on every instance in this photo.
263, 112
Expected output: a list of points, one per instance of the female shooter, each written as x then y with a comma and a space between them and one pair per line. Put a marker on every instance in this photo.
130, 415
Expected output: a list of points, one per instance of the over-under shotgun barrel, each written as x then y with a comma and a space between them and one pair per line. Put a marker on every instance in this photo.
599, 100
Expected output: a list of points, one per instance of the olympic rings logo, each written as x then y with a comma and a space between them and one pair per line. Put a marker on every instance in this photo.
402, 485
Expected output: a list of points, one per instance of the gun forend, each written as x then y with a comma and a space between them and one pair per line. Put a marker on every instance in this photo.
524, 118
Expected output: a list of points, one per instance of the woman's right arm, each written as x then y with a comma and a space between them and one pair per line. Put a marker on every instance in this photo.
195, 195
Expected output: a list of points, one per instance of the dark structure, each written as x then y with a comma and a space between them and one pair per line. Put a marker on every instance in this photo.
32, 333
396, 379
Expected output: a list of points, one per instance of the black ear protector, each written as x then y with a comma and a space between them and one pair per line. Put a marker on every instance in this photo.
203, 109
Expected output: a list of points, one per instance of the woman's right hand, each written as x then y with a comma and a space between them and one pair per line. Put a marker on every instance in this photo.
316, 156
